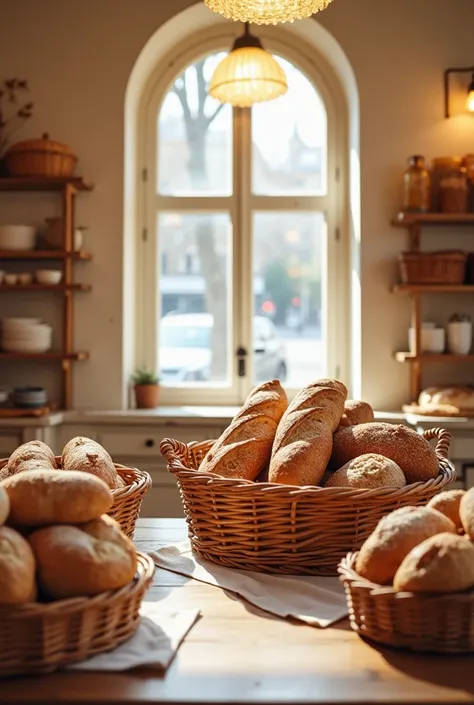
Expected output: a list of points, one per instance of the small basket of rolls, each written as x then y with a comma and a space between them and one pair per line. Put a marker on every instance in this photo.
292, 488
71, 582
128, 485
411, 585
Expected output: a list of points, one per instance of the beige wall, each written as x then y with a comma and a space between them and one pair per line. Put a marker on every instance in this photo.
78, 57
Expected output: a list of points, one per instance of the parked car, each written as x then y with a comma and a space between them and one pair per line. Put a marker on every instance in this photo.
186, 354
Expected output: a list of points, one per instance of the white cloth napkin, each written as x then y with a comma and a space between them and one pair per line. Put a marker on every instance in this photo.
316, 601
154, 644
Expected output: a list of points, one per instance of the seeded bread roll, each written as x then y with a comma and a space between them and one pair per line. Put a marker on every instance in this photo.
466, 513
4, 506
356, 412
43, 497
368, 471
78, 561
17, 569
34, 455
243, 450
412, 453
394, 537
87, 455
303, 441
441, 563
447, 503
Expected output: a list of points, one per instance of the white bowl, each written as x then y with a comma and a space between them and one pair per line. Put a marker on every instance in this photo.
10, 279
48, 276
17, 237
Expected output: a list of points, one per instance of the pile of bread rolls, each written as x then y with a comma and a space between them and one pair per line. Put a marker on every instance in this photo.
423, 549
56, 540
320, 438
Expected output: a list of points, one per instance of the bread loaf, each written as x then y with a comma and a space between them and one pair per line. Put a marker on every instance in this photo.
34, 455
86, 455
441, 563
457, 396
76, 561
4, 506
412, 453
394, 537
243, 450
356, 412
366, 472
303, 441
43, 497
447, 503
17, 569
466, 513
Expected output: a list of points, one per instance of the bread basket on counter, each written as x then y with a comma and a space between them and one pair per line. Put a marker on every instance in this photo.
43, 158
41, 637
285, 529
441, 623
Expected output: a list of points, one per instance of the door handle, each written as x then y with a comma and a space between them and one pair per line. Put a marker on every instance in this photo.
241, 355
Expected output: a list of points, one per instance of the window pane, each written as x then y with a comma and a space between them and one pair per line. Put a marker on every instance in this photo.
195, 270
194, 136
289, 138
288, 255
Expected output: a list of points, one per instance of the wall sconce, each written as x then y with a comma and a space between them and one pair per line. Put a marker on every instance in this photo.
461, 86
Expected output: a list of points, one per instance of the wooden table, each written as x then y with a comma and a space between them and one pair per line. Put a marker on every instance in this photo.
237, 654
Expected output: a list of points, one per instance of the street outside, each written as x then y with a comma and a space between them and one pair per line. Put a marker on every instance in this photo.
304, 355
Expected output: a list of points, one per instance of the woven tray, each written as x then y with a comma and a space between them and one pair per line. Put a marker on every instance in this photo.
281, 528
38, 638
444, 267
127, 500
429, 623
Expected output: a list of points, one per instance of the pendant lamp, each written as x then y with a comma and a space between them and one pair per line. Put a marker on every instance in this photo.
247, 75
267, 11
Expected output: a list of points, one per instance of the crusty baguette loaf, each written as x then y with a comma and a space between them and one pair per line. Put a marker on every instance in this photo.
244, 449
86, 455
17, 569
34, 455
303, 441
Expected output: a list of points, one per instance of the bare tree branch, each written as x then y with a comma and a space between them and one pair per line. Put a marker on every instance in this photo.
179, 87
201, 85
212, 117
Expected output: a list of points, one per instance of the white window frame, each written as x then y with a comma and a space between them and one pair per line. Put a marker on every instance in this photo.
240, 206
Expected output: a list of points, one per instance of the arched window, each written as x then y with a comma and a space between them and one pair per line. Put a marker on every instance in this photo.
241, 259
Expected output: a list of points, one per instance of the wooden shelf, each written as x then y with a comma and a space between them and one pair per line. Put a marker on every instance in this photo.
432, 357
433, 288
406, 220
45, 287
43, 184
44, 254
44, 356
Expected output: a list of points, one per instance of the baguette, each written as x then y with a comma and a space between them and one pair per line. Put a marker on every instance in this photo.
244, 449
34, 455
86, 455
303, 442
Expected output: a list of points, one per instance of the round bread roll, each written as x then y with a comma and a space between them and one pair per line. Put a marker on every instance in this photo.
466, 513
43, 497
17, 569
441, 563
34, 455
89, 456
394, 537
368, 471
412, 453
356, 412
4, 506
447, 503
80, 561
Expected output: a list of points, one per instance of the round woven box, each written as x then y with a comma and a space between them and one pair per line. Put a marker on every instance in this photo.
281, 528
426, 623
39, 637
127, 500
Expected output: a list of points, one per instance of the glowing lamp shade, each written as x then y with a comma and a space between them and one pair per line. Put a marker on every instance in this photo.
248, 75
470, 97
267, 11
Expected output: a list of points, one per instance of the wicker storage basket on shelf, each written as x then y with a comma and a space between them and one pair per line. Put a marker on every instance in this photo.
41, 637
281, 528
40, 158
445, 267
431, 623
128, 499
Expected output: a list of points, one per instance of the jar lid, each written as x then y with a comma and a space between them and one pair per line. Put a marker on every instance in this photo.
42, 145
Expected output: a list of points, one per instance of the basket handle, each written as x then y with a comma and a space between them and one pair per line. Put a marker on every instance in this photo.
443, 439
170, 450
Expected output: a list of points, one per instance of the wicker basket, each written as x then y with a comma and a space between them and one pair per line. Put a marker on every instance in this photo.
281, 528
41, 637
40, 158
128, 499
429, 623
446, 267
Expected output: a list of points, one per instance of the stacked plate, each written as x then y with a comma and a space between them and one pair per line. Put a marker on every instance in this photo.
29, 397
25, 335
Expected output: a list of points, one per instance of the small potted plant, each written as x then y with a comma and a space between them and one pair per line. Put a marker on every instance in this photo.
13, 112
147, 389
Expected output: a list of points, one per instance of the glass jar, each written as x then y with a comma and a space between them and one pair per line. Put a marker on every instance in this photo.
416, 186
454, 192
440, 168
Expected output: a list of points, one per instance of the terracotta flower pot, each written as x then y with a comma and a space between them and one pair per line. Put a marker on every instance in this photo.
147, 395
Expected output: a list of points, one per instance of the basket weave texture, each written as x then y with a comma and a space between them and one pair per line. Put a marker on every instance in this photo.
38, 638
284, 529
427, 623
433, 267
42, 158
127, 500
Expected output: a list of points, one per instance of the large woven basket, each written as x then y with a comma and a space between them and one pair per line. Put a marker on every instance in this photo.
430, 623
39, 637
127, 500
281, 528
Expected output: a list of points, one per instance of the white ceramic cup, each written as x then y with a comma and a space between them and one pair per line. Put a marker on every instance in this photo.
432, 340
459, 337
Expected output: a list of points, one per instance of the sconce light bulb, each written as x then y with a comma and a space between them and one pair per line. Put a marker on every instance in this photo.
470, 97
